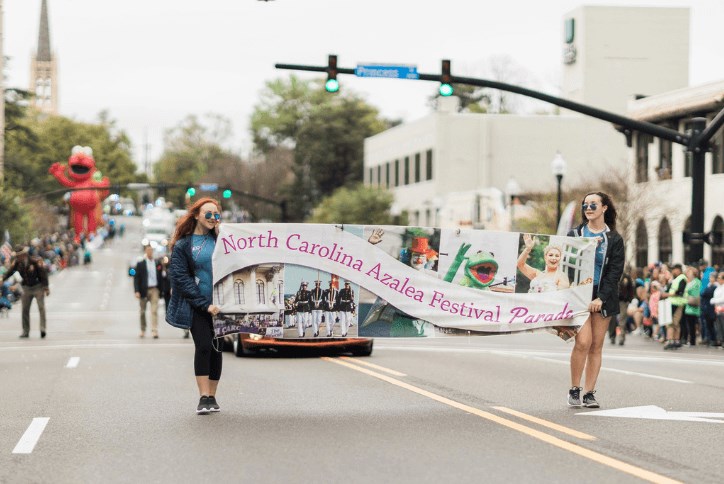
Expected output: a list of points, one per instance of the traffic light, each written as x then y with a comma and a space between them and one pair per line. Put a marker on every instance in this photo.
191, 192
446, 88
226, 193
332, 84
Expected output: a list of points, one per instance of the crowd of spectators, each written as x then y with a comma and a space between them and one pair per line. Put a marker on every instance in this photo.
57, 251
675, 305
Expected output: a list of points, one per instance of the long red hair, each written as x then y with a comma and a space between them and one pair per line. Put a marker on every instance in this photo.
187, 224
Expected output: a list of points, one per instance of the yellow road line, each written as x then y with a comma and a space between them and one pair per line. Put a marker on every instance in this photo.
546, 423
372, 365
555, 441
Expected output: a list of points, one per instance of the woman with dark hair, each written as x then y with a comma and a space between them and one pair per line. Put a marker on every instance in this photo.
598, 221
191, 306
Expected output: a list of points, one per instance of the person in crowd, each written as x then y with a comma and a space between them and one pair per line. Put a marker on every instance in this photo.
705, 270
691, 309
675, 294
191, 281
654, 297
147, 285
717, 300
598, 221
34, 285
551, 278
625, 296
707, 310
638, 310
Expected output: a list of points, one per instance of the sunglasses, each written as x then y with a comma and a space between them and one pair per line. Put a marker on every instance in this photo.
208, 215
592, 206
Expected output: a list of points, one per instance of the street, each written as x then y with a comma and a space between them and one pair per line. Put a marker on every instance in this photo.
95, 403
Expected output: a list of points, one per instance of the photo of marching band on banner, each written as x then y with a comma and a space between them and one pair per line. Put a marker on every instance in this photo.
321, 281
323, 306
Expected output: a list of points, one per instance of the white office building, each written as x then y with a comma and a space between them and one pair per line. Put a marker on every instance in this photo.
451, 169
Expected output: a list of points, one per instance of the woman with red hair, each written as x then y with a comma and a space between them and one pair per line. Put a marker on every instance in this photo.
191, 306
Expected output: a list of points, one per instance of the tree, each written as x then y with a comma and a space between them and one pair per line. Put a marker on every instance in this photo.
191, 150
355, 205
326, 133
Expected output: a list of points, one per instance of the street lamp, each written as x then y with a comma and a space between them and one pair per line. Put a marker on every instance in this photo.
558, 167
512, 189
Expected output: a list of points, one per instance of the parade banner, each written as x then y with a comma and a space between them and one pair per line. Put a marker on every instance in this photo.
319, 281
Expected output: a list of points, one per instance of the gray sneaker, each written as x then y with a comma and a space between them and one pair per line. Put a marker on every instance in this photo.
574, 397
213, 406
204, 406
589, 400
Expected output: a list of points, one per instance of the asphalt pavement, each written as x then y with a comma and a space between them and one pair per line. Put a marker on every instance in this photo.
95, 403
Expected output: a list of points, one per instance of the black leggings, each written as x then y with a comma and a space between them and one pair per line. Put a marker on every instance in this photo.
207, 361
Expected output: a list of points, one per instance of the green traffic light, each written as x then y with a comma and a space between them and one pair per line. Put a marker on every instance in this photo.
227, 194
446, 90
191, 192
332, 85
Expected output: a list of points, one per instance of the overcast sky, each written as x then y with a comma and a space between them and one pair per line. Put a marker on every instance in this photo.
150, 63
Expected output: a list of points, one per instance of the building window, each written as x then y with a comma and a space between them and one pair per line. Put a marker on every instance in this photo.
397, 173
260, 293
281, 292
428, 218
406, 179
379, 175
717, 153
369, 180
428, 163
642, 157
418, 168
239, 292
664, 169
665, 241
387, 175
717, 249
642, 245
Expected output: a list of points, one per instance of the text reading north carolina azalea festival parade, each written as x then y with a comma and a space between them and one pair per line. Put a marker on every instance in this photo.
336, 254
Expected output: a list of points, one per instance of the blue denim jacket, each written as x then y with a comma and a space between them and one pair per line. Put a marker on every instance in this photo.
185, 294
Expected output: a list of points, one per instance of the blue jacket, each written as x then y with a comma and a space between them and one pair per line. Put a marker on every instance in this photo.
185, 294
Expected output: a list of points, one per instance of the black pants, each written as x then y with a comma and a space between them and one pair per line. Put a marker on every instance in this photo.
207, 361
690, 323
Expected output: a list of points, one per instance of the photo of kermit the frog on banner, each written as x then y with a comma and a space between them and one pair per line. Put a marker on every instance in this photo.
320, 281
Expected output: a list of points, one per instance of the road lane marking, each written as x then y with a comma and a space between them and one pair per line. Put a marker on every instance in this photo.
555, 441
27, 442
546, 423
372, 365
616, 370
532, 356
73, 362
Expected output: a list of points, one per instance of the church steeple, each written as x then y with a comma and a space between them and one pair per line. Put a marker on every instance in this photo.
43, 68
44, 35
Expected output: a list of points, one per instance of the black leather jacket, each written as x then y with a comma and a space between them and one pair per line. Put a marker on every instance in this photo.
611, 271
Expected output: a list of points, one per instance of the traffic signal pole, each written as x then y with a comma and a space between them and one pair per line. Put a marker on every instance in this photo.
697, 143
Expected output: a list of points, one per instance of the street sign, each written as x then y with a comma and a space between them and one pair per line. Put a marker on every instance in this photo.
388, 71
208, 187
652, 412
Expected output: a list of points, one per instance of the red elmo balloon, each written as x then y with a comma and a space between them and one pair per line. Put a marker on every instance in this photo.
87, 192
